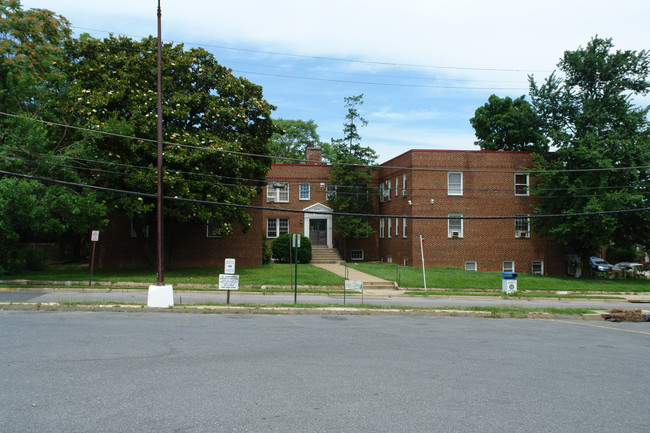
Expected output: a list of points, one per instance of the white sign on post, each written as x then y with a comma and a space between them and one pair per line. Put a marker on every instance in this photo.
296, 240
230, 266
353, 285
94, 235
228, 282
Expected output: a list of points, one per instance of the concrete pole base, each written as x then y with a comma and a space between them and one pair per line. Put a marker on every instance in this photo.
160, 296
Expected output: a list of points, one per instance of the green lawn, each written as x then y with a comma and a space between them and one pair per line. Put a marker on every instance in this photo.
458, 279
272, 274
455, 280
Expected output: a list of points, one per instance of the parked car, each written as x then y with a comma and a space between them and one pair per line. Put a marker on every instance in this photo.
599, 265
630, 268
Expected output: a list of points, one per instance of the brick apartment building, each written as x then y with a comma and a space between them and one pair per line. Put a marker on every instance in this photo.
442, 195
447, 197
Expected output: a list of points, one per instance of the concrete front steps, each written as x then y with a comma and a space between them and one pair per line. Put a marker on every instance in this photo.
320, 254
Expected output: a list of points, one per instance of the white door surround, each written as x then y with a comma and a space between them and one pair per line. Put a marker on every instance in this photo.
323, 212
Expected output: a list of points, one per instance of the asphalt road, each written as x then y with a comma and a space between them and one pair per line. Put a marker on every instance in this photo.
185, 298
162, 372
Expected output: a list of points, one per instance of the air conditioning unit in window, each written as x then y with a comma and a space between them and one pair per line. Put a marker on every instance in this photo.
522, 234
455, 234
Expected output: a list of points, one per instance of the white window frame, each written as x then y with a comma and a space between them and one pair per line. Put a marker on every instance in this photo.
396, 227
404, 185
356, 255
522, 226
389, 188
453, 187
451, 229
279, 230
277, 195
397, 186
519, 186
508, 266
471, 265
539, 263
404, 220
304, 191
389, 227
330, 191
382, 227
381, 193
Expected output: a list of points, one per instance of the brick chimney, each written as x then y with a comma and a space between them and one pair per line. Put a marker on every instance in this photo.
313, 155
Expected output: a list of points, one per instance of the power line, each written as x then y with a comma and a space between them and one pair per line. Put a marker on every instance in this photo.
368, 83
301, 160
331, 59
263, 208
265, 182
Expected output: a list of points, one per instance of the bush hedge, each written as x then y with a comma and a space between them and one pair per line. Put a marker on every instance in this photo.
281, 249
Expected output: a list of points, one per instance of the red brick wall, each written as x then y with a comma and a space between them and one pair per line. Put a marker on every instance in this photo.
294, 174
191, 247
486, 192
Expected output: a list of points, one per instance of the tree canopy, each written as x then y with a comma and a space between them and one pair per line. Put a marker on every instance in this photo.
507, 124
602, 148
84, 111
352, 175
212, 122
31, 49
289, 145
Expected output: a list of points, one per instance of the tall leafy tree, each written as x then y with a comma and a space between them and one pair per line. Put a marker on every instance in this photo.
507, 124
31, 51
294, 137
212, 121
352, 174
602, 144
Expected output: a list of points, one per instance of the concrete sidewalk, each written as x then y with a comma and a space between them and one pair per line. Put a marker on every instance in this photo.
372, 285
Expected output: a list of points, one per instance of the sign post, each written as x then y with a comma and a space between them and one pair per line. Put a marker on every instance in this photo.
94, 237
295, 242
229, 281
424, 275
353, 285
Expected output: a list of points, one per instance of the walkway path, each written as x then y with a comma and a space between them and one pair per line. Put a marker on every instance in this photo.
372, 285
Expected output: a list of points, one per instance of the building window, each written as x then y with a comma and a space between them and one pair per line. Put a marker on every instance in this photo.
522, 226
470, 265
382, 223
212, 229
521, 184
508, 266
304, 191
330, 191
388, 189
276, 227
356, 254
455, 226
404, 185
538, 267
388, 229
455, 183
382, 192
277, 192
396, 227
396, 186
404, 227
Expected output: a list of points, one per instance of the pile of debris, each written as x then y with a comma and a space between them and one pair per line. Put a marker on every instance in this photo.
627, 315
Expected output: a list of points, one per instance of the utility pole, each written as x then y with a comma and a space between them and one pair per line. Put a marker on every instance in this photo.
160, 214
160, 295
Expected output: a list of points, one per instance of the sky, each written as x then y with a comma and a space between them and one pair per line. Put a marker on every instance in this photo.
422, 66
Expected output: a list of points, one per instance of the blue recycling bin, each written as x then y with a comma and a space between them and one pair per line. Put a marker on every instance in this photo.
509, 283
